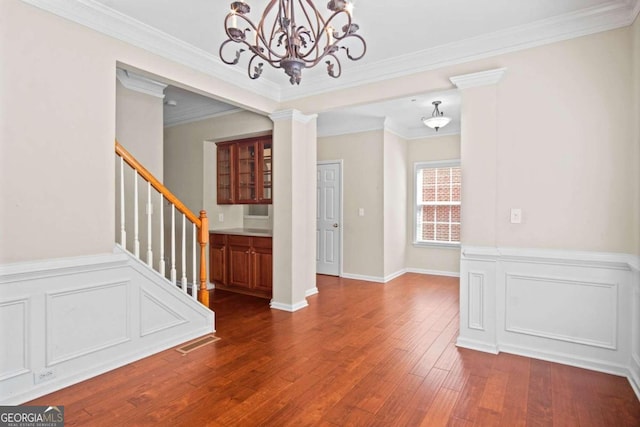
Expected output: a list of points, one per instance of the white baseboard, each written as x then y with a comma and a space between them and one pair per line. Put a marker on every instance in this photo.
289, 307
375, 279
94, 371
476, 345
118, 309
434, 272
311, 292
634, 375
390, 277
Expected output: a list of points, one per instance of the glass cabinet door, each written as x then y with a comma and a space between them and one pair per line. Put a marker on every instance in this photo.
266, 171
224, 174
246, 175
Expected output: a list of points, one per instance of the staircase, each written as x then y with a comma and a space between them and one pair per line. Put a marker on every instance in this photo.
158, 233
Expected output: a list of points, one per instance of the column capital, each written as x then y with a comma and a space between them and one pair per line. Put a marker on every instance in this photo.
293, 115
140, 84
482, 78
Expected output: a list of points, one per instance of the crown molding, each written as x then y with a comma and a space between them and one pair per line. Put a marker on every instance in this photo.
482, 78
110, 22
140, 84
293, 115
609, 16
197, 114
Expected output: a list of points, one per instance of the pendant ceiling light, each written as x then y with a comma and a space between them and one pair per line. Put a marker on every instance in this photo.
292, 35
437, 119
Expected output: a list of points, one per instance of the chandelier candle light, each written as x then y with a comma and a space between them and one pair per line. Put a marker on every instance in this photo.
292, 36
437, 119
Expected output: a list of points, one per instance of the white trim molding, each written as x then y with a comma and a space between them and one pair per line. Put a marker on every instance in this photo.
117, 308
573, 307
289, 307
101, 18
293, 115
482, 78
140, 84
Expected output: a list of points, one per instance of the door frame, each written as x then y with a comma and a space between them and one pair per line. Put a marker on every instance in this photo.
340, 163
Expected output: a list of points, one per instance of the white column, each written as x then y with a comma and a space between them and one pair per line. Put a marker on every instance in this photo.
479, 151
294, 205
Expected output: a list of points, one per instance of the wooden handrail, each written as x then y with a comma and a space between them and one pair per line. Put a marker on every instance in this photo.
148, 176
202, 222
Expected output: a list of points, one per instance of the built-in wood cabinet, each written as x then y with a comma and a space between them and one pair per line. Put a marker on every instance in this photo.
241, 263
244, 171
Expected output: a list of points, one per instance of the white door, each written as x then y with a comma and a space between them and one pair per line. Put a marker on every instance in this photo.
328, 226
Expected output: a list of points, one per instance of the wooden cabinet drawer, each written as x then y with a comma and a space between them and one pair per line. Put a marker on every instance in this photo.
262, 242
233, 240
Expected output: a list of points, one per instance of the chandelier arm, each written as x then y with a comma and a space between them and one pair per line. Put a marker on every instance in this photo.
364, 48
331, 66
237, 57
257, 71
336, 35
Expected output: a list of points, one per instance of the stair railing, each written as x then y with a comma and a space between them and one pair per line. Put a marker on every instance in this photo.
199, 226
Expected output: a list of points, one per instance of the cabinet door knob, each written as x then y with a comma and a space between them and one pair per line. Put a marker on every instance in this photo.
335, 225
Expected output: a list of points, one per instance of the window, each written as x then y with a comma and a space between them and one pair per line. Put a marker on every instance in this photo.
438, 188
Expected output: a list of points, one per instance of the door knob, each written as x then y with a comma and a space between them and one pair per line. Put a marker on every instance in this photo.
335, 225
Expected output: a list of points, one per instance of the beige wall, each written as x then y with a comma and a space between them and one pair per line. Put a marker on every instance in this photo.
190, 161
139, 119
421, 257
564, 138
58, 127
363, 237
562, 147
395, 203
635, 44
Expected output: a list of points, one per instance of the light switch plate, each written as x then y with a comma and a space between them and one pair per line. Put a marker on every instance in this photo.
516, 215
361, 212
220, 217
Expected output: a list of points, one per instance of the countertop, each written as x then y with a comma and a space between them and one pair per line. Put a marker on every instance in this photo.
257, 232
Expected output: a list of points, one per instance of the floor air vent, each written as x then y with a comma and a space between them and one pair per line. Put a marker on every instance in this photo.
200, 342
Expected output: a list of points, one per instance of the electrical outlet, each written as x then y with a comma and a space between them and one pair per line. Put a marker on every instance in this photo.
360, 211
43, 375
220, 217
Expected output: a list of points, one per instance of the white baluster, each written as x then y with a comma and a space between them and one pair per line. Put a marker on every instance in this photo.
161, 266
173, 244
136, 239
123, 232
149, 213
194, 288
184, 254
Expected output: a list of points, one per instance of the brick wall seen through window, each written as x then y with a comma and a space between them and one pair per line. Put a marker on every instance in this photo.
438, 203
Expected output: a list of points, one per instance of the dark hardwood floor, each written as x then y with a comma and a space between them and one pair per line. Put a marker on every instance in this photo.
362, 354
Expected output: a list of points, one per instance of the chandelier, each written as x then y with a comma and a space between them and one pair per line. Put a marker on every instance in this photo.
437, 119
292, 35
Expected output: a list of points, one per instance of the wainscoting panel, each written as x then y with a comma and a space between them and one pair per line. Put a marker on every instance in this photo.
476, 300
576, 308
155, 316
14, 338
72, 319
88, 319
562, 309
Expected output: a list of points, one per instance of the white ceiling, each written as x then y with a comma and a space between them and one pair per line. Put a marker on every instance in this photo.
403, 37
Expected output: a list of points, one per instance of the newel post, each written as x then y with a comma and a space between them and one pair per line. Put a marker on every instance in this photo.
203, 239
